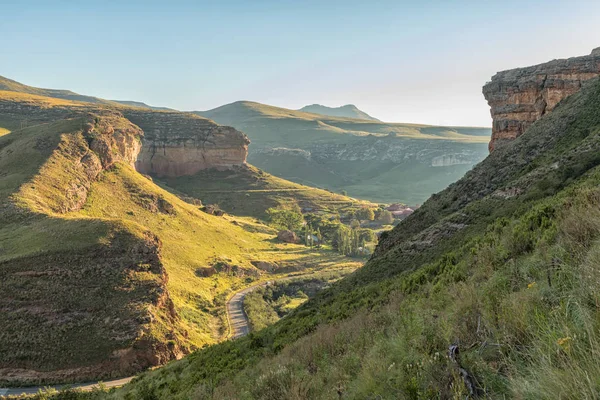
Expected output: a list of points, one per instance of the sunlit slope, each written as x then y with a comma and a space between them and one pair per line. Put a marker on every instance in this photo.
249, 191
192, 241
89, 245
14, 86
62, 275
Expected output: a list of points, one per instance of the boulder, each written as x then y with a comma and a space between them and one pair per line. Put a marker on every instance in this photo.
287, 236
265, 265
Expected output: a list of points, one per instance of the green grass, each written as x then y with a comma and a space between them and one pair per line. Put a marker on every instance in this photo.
248, 191
267, 305
61, 272
193, 240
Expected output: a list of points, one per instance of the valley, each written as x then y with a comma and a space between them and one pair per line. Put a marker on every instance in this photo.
299, 246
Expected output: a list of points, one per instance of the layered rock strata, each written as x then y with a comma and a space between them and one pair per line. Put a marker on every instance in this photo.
519, 97
177, 144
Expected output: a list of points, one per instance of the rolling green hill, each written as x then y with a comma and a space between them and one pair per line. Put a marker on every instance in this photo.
249, 191
345, 154
488, 290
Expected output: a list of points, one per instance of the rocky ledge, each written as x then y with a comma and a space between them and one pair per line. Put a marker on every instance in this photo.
177, 144
519, 97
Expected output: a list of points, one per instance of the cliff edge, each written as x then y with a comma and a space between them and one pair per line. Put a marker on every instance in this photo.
519, 97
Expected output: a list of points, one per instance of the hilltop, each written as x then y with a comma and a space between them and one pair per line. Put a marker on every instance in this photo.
141, 105
347, 111
488, 290
384, 162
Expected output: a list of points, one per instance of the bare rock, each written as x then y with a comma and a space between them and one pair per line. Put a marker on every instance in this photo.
288, 237
265, 265
519, 97
177, 144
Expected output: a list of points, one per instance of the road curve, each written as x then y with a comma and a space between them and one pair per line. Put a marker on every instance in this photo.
239, 325
238, 320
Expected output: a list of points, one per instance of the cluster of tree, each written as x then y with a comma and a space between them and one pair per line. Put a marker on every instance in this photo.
351, 241
316, 229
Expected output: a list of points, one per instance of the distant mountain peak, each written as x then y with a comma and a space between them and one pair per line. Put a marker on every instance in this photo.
345, 111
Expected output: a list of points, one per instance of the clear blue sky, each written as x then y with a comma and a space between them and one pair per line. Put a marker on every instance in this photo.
405, 61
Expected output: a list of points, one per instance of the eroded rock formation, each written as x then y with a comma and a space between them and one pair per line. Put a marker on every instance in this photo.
177, 144
519, 97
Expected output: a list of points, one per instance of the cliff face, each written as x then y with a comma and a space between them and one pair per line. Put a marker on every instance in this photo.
177, 144
519, 97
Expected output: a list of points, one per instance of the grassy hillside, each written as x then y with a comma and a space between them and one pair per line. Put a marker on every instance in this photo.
295, 128
502, 264
13, 86
193, 241
355, 155
62, 274
248, 191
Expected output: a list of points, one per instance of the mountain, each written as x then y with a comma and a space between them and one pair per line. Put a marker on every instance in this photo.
384, 162
104, 269
347, 111
487, 290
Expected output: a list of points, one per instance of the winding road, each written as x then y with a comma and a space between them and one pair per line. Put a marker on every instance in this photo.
238, 320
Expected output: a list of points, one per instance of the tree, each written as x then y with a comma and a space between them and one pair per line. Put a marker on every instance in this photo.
366, 235
308, 235
365, 214
319, 238
286, 217
386, 217
344, 193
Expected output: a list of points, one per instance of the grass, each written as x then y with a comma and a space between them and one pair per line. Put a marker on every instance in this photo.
248, 191
267, 305
61, 272
16, 87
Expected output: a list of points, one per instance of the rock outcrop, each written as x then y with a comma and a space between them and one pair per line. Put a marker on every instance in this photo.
177, 144
519, 97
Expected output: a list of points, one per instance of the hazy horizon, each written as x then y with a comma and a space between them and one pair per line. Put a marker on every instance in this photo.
397, 61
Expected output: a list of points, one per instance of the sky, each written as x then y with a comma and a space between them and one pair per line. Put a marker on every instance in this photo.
400, 61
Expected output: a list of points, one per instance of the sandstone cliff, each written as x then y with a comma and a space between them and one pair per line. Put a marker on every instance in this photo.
519, 97
177, 144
